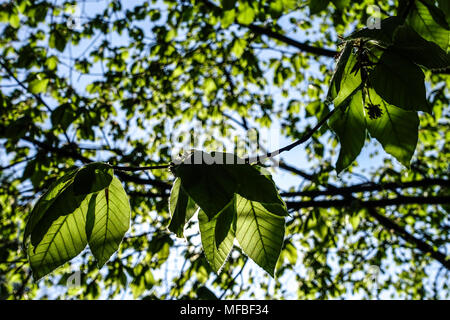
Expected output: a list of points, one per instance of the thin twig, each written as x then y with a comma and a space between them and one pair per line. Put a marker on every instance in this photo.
294, 144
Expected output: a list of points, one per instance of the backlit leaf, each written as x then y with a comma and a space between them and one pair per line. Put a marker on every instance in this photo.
210, 185
216, 254
64, 240
411, 45
108, 220
260, 233
422, 21
181, 208
396, 129
92, 177
399, 82
350, 126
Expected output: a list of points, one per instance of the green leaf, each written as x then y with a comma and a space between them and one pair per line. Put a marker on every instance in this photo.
217, 254
260, 232
93, 177
396, 129
52, 62
210, 185
246, 14
384, 34
350, 80
57, 40
38, 85
108, 219
255, 184
210, 180
14, 19
226, 220
66, 203
410, 44
422, 21
318, 109
239, 46
276, 8
46, 200
63, 116
444, 5
350, 126
399, 82
436, 13
64, 240
341, 4
316, 6
336, 79
203, 293
181, 208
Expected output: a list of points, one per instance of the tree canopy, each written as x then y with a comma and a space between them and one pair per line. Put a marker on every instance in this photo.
207, 149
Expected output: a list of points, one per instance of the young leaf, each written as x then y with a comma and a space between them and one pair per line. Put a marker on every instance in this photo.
350, 126
108, 219
181, 208
216, 254
399, 82
64, 240
260, 232
396, 129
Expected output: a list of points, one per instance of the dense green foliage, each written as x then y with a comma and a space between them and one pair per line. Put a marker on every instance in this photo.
96, 98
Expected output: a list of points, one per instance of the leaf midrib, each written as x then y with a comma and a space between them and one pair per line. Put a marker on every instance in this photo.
259, 231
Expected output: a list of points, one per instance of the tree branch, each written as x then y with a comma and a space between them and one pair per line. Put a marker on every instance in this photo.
401, 200
36, 96
65, 152
20, 83
299, 45
384, 221
364, 187
275, 35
